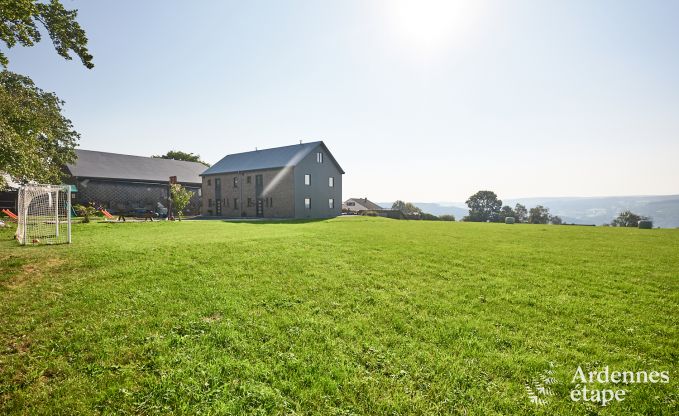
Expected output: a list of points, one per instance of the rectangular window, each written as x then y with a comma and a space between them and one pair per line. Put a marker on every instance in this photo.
307, 203
259, 180
307, 179
218, 182
209, 202
249, 179
235, 203
351, 204
209, 182
270, 202
331, 203
331, 182
235, 182
249, 202
319, 157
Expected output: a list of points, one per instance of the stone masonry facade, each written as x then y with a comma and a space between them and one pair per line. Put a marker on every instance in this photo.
266, 193
123, 196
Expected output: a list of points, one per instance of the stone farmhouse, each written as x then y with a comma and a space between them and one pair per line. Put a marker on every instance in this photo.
299, 181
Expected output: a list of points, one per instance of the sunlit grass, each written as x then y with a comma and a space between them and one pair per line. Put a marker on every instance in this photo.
345, 316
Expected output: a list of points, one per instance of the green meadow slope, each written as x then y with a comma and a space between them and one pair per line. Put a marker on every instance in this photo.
345, 316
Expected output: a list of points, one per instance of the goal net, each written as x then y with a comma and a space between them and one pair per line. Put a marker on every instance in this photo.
44, 214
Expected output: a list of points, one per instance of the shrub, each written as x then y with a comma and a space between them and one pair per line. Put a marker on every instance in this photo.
85, 211
447, 217
369, 213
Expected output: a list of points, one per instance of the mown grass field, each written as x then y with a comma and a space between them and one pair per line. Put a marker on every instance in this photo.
345, 316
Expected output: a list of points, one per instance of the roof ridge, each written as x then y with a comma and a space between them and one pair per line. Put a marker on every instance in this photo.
142, 157
274, 148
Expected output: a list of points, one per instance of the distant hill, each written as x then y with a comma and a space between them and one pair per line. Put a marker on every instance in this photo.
663, 209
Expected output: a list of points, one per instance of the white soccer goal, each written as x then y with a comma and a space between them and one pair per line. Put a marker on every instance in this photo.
44, 214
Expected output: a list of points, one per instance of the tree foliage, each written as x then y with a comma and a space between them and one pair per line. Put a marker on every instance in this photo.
21, 20
556, 220
36, 140
180, 198
85, 211
447, 217
179, 155
539, 215
520, 213
407, 208
628, 219
483, 206
505, 212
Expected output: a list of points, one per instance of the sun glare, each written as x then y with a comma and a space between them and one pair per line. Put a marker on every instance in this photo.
430, 25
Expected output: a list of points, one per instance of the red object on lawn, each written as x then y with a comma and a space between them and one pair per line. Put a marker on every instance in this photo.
107, 214
10, 214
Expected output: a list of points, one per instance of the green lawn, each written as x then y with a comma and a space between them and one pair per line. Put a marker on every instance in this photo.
345, 316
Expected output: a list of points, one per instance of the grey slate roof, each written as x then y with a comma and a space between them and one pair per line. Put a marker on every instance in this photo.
276, 157
365, 202
103, 165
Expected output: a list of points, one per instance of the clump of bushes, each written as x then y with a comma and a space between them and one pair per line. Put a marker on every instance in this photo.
369, 213
85, 211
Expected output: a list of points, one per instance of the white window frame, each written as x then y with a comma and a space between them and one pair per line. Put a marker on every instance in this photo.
331, 203
319, 157
307, 179
331, 182
307, 203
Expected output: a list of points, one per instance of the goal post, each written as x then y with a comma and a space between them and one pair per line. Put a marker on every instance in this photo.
44, 213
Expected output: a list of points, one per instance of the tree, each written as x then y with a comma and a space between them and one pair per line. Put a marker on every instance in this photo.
521, 213
538, 215
179, 155
407, 208
36, 140
483, 206
447, 217
507, 211
20, 22
556, 220
429, 217
627, 219
180, 198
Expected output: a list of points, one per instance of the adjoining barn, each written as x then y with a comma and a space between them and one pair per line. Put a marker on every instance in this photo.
298, 181
124, 183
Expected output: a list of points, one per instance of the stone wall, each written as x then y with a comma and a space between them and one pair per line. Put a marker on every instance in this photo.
240, 199
121, 196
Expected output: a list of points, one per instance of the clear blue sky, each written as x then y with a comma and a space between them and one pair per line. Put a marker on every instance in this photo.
422, 100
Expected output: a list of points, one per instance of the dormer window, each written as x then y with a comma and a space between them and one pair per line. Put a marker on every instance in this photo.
319, 157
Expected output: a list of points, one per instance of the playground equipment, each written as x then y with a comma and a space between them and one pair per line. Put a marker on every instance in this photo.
44, 214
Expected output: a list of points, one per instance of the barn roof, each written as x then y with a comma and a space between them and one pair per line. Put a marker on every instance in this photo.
276, 157
103, 165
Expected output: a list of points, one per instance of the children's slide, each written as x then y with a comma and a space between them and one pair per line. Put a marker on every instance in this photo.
10, 214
